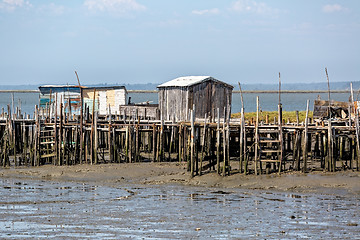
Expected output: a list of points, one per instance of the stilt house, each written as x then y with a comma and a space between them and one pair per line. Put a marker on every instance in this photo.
206, 94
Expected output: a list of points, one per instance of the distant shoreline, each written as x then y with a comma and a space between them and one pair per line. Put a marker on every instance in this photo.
235, 91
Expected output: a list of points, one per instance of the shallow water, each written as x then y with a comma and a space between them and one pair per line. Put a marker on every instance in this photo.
268, 101
41, 209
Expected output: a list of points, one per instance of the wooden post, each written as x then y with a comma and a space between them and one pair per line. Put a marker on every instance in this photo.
137, 136
81, 155
295, 160
330, 148
224, 144
192, 118
25, 143
110, 139
305, 151
280, 122
203, 145
171, 138
242, 132
356, 128
37, 143
92, 129
61, 130
281, 142
56, 137
349, 114
297, 118
96, 138
341, 150
218, 141
180, 143
154, 142
256, 135
127, 143
161, 139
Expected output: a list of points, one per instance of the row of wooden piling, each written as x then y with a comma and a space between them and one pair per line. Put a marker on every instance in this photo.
221, 145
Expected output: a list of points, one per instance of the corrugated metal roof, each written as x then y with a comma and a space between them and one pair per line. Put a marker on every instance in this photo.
189, 81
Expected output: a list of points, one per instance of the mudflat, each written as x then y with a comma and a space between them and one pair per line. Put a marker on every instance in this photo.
342, 182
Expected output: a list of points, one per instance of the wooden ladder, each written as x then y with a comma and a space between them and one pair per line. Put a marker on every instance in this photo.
270, 147
47, 143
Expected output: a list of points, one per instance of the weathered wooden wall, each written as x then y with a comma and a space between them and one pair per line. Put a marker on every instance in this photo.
176, 102
105, 98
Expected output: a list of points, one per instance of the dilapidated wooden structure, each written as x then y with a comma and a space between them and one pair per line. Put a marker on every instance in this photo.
105, 100
142, 111
336, 109
67, 95
203, 93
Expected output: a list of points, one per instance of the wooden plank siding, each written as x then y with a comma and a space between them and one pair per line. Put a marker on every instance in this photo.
176, 102
105, 97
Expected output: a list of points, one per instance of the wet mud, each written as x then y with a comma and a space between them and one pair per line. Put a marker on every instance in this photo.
35, 209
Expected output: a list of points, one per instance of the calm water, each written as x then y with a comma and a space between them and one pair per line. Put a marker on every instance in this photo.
268, 101
41, 209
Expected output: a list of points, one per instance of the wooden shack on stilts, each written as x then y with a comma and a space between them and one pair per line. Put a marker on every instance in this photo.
186, 99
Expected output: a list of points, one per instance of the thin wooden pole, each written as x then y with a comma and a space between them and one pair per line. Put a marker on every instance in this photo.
56, 162
61, 130
192, 118
356, 128
328, 83
330, 148
218, 141
161, 139
203, 145
96, 138
81, 155
257, 135
92, 129
154, 141
297, 118
242, 132
180, 142
306, 137
224, 143
279, 89
280, 127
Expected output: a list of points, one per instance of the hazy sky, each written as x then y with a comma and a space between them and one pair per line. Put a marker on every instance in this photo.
142, 41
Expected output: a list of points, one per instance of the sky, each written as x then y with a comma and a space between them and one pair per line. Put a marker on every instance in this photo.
154, 41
